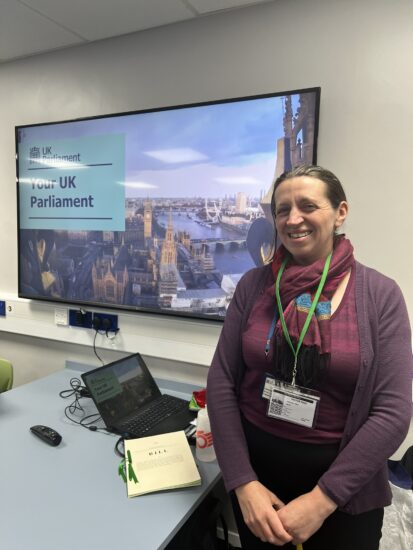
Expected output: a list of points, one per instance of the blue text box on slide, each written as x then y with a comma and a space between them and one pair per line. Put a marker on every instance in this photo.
73, 184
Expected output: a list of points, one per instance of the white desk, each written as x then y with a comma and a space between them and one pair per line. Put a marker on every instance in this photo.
70, 497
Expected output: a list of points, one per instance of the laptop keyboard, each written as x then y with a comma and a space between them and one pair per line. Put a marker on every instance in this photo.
165, 406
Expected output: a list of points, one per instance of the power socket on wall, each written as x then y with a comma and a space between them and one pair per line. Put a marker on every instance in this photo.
105, 321
98, 321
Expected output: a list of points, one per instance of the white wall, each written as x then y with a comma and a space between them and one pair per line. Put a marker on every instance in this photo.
359, 52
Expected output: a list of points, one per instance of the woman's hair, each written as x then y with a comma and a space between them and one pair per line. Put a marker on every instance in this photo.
334, 190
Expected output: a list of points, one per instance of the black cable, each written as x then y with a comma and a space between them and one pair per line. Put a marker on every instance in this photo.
78, 392
119, 452
89, 421
94, 347
75, 388
85, 422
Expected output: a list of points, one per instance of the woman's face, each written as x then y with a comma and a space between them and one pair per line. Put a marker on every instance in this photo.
306, 219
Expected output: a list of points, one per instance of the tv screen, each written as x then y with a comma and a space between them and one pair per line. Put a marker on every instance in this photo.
160, 210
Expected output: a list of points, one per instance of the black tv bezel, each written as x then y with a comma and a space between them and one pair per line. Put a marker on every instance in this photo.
78, 304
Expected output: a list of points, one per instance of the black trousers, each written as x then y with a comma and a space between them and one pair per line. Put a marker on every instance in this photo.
289, 469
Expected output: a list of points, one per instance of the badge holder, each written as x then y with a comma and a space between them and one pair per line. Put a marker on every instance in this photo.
268, 385
292, 403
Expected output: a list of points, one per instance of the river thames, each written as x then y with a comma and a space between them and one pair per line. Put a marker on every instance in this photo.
231, 260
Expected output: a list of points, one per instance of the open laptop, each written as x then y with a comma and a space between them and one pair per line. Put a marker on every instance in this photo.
130, 401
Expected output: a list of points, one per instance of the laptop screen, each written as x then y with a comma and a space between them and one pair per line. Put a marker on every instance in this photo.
121, 388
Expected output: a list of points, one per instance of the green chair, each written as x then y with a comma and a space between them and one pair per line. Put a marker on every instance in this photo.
6, 375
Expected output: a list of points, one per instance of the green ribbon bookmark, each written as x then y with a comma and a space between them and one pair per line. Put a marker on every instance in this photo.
131, 472
121, 470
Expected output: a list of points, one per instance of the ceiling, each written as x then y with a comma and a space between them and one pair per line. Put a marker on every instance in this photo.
30, 27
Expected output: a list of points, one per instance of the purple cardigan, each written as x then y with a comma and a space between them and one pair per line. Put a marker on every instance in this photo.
380, 412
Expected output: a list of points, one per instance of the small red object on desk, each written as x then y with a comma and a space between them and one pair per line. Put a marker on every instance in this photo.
200, 398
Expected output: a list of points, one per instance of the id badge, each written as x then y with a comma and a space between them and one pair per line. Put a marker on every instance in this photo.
293, 404
269, 383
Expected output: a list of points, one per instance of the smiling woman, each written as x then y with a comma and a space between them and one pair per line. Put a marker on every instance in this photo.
310, 384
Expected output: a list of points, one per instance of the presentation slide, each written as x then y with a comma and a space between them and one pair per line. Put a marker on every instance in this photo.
159, 210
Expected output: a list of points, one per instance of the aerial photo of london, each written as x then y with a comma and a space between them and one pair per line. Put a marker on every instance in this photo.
197, 185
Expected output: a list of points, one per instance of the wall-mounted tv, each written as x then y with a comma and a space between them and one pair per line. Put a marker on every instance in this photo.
159, 210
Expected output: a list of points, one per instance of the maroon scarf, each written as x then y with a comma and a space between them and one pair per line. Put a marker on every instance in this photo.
297, 288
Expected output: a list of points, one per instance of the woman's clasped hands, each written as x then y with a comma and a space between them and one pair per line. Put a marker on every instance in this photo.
277, 523
259, 508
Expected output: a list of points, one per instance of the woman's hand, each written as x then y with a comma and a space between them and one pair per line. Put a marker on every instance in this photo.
304, 515
258, 506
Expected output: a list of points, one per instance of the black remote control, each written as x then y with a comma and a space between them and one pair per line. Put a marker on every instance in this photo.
48, 435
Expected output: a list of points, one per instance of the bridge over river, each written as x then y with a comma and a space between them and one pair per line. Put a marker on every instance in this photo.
220, 244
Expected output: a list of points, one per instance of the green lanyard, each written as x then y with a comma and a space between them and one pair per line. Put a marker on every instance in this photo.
310, 313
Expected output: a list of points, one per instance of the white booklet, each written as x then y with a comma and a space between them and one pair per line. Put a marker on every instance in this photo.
159, 462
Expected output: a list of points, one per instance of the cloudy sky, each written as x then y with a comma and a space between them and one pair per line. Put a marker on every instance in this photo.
210, 150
